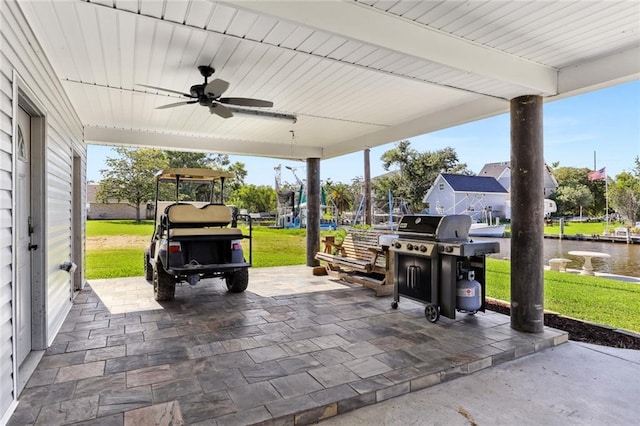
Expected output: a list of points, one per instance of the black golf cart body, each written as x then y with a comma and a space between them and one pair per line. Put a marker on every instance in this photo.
195, 237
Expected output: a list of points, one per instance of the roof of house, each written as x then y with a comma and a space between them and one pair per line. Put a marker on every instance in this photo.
464, 183
494, 169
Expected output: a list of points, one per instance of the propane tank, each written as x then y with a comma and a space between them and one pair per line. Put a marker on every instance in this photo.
469, 294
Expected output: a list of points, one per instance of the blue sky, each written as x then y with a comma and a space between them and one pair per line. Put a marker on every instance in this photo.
605, 121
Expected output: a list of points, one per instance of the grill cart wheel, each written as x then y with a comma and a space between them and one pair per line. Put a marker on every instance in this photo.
431, 312
394, 305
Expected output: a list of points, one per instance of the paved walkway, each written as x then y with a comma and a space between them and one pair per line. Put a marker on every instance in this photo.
292, 349
573, 384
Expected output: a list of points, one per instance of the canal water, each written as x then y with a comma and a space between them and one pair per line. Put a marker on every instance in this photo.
624, 260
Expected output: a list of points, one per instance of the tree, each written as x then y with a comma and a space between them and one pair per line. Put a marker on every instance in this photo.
625, 193
130, 176
341, 196
255, 198
415, 174
577, 177
179, 159
574, 198
570, 176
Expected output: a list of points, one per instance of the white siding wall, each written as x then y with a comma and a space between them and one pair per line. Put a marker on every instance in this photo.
20, 52
440, 198
6, 271
550, 186
446, 201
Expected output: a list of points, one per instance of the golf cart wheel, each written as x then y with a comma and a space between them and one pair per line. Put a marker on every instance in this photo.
164, 284
431, 312
148, 269
394, 305
237, 281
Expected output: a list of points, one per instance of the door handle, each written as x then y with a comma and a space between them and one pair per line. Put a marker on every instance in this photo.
32, 246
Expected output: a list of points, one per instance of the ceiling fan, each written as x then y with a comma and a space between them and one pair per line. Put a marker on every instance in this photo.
209, 94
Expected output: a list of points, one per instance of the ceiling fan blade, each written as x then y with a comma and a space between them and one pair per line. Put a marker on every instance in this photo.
246, 102
165, 90
216, 87
175, 104
220, 110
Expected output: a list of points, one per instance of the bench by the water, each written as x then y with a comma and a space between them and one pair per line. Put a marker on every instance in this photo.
559, 264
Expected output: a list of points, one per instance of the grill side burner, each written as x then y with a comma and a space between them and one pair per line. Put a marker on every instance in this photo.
431, 255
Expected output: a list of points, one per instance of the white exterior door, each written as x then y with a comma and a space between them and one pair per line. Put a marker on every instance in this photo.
24, 230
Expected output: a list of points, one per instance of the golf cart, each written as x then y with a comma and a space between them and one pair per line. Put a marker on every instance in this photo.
195, 237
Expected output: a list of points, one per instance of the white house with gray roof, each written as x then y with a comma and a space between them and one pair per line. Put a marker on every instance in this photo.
502, 173
478, 196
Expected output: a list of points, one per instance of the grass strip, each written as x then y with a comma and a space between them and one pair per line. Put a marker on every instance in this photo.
594, 299
115, 262
96, 228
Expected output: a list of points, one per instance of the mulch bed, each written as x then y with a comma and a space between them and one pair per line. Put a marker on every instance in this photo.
579, 330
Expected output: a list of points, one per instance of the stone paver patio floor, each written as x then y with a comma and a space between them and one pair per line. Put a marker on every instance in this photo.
293, 349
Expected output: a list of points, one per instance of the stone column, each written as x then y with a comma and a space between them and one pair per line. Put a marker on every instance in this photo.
527, 214
313, 210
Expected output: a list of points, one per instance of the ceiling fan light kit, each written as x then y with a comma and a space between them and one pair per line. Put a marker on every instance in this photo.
209, 94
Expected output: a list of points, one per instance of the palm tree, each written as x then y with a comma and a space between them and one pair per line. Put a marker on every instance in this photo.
341, 197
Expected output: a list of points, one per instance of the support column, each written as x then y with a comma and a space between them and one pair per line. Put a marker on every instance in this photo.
527, 214
313, 210
367, 188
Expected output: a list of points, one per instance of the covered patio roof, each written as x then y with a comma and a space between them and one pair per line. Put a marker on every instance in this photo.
357, 74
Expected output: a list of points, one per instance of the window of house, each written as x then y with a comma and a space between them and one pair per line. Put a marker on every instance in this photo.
441, 187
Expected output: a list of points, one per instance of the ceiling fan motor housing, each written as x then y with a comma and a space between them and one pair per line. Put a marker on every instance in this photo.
197, 90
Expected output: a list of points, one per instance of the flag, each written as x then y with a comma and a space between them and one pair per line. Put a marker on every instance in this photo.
597, 174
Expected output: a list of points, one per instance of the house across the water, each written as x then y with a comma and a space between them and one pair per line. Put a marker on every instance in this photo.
477, 196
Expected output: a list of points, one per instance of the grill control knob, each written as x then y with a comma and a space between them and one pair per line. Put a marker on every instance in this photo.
423, 248
448, 249
398, 245
409, 246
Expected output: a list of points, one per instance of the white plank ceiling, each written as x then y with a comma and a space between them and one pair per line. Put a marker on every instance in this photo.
356, 74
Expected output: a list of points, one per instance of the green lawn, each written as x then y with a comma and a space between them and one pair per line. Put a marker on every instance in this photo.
271, 247
277, 247
584, 228
115, 263
97, 228
595, 299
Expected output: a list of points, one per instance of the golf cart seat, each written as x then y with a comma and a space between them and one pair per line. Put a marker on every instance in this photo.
190, 220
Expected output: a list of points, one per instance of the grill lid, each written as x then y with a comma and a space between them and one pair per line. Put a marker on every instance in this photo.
453, 227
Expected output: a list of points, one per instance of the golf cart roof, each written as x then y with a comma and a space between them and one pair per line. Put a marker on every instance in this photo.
193, 174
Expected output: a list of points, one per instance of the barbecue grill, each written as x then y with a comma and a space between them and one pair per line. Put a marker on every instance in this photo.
433, 261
